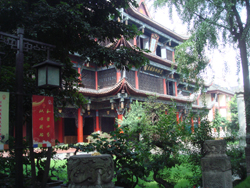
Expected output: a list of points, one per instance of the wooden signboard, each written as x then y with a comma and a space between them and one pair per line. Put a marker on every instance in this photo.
153, 70
153, 42
4, 120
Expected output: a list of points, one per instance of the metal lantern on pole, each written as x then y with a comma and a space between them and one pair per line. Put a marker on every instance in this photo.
22, 44
48, 74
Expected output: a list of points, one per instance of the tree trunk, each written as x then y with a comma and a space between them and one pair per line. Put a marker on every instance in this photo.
246, 82
161, 181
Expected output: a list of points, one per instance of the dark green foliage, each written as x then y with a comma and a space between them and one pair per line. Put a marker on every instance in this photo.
238, 161
163, 139
218, 122
244, 184
196, 152
72, 26
233, 125
209, 22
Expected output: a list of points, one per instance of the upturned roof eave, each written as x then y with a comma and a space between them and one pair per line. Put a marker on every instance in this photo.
133, 12
221, 91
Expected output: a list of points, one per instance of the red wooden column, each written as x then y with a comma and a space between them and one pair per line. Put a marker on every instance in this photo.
118, 76
177, 117
80, 127
60, 130
164, 87
192, 124
79, 72
97, 120
198, 102
213, 109
199, 121
120, 116
135, 41
136, 80
175, 88
96, 80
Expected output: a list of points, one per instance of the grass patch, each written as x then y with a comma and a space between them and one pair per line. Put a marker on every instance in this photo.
244, 184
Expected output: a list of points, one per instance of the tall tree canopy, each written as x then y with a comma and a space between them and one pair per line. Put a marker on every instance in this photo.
213, 20
73, 26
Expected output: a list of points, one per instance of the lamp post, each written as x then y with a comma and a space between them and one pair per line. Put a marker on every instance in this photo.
21, 44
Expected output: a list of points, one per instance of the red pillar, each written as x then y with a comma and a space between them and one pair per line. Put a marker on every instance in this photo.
24, 130
136, 80
118, 76
135, 41
79, 72
175, 88
80, 127
177, 117
96, 80
199, 121
213, 109
60, 130
97, 121
192, 124
120, 116
164, 86
198, 100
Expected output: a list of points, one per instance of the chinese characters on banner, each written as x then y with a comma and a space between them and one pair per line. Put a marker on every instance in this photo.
153, 70
4, 120
43, 121
153, 42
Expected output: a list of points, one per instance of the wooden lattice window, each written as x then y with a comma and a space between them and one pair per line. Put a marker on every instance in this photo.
150, 83
106, 78
88, 78
169, 55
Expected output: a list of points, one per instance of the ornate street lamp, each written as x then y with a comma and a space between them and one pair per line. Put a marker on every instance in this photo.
48, 74
21, 44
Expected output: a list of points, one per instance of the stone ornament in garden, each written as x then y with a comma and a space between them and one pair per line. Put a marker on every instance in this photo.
216, 166
90, 171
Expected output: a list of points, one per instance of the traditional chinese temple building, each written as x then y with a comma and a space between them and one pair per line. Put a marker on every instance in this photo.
218, 97
110, 91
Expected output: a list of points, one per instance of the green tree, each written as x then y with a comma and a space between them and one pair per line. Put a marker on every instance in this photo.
233, 124
155, 135
160, 139
210, 21
73, 26
219, 122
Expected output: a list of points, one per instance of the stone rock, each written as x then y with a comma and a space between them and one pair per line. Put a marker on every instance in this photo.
86, 171
216, 166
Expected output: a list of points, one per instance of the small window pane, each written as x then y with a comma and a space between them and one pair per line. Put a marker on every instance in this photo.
41, 76
53, 76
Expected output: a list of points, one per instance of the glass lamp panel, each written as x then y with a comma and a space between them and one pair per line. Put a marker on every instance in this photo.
41, 76
53, 76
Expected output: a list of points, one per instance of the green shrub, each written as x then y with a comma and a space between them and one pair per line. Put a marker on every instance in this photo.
128, 166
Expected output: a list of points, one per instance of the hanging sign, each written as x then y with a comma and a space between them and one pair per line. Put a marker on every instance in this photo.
153, 70
43, 121
4, 120
153, 42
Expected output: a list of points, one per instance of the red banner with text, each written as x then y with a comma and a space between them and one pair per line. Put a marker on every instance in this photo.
43, 121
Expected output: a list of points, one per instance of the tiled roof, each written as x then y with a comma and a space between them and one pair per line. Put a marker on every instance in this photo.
133, 11
218, 89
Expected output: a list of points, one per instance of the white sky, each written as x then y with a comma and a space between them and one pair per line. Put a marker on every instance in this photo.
223, 60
